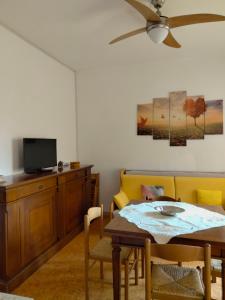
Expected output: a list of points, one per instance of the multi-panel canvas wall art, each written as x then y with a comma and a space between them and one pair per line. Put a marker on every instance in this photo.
214, 117
180, 117
178, 128
145, 119
161, 119
195, 114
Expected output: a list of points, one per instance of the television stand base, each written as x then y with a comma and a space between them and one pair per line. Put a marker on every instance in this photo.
39, 171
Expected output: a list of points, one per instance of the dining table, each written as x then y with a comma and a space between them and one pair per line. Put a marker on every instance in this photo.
125, 233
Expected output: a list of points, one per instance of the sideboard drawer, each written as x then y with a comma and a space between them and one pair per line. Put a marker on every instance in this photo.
71, 176
29, 189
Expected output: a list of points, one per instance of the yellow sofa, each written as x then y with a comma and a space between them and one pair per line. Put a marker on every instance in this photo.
179, 185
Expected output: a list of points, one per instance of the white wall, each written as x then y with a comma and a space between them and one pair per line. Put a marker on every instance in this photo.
107, 103
37, 98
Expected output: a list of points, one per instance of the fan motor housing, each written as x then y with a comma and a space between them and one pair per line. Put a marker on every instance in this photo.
163, 21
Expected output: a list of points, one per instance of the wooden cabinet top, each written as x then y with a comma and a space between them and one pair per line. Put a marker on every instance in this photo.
21, 179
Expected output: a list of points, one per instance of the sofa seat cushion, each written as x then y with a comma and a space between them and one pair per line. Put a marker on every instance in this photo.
131, 185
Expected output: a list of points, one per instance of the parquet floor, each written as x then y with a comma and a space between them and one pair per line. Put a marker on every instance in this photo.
62, 278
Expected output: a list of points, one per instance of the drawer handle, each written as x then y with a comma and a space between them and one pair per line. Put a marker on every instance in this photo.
40, 186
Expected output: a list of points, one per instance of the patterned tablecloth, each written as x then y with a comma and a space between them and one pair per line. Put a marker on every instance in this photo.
163, 228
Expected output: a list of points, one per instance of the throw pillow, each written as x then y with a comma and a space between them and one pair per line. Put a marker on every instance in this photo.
209, 197
151, 192
121, 199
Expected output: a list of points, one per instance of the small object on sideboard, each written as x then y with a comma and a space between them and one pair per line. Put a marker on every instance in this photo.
74, 164
60, 166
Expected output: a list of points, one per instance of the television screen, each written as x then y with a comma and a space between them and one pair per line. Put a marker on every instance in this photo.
39, 154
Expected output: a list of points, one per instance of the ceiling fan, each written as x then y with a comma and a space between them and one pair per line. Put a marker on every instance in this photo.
159, 27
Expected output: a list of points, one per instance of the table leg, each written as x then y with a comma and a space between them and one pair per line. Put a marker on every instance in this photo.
223, 275
116, 272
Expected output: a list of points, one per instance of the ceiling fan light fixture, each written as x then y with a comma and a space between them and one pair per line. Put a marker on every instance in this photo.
158, 32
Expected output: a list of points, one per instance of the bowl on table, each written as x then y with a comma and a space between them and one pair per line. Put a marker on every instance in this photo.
169, 210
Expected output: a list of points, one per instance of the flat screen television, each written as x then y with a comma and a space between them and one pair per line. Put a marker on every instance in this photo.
39, 154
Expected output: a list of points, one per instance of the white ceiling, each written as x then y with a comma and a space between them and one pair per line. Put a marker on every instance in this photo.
77, 32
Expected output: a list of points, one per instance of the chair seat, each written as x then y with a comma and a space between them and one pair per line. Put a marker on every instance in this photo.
175, 280
103, 251
216, 264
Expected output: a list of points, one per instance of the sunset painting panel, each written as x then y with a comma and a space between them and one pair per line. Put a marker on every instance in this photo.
161, 119
214, 117
144, 119
194, 108
178, 128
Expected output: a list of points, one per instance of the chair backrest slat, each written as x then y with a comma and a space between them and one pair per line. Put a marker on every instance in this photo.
93, 213
178, 252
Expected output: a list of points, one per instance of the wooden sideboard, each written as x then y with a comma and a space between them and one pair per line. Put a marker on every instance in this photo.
39, 214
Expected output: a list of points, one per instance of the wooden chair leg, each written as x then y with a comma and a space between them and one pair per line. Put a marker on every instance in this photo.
213, 278
101, 270
148, 295
86, 280
142, 263
136, 257
126, 276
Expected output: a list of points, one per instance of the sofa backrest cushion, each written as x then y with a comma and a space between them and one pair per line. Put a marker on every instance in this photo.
186, 187
209, 197
131, 184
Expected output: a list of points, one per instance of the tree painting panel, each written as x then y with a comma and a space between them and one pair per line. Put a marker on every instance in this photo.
195, 108
144, 119
214, 117
161, 119
178, 128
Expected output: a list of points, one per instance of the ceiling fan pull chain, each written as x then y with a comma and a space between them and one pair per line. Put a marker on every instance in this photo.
159, 12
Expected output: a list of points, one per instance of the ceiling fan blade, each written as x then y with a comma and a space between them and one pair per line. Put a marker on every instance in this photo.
171, 42
144, 10
127, 35
194, 19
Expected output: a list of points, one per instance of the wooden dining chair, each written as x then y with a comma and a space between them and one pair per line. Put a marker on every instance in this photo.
171, 282
113, 212
167, 198
102, 251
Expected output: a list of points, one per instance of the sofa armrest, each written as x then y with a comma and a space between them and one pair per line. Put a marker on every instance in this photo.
112, 207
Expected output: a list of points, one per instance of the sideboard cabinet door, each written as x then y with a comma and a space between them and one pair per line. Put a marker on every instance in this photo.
38, 223
12, 239
39, 214
74, 204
